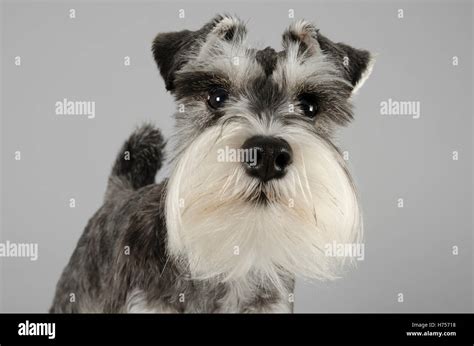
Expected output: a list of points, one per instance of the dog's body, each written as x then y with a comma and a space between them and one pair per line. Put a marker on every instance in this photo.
227, 236
121, 263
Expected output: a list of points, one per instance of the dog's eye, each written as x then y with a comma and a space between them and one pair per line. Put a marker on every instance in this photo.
217, 97
308, 104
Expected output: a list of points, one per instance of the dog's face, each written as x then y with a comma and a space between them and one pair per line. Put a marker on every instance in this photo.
257, 186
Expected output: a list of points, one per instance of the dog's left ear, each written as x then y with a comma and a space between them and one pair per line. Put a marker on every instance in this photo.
172, 50
354, 64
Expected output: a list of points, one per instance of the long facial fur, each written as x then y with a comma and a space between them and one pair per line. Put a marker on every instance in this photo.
216, 224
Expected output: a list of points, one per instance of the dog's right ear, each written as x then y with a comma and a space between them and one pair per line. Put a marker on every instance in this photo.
172, 50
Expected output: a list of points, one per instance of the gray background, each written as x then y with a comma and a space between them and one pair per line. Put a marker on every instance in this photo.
408, 250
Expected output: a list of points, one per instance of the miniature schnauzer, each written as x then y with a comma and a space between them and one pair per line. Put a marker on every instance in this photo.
226, 235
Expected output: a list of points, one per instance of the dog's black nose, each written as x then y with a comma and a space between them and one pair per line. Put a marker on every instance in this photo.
267, 158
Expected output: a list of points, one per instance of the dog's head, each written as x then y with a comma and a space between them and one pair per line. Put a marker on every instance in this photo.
257, 185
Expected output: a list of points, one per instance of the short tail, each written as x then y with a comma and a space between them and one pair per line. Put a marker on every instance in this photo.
138, 161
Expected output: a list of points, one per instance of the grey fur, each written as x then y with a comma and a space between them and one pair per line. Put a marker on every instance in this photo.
101, 274
122, 261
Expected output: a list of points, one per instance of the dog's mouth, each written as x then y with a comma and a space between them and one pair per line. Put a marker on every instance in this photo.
260, 198
262, 195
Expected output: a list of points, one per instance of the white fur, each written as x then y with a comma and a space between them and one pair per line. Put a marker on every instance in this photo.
137, 303
307, 33
242, 291
365, 75
208, 211
300, 69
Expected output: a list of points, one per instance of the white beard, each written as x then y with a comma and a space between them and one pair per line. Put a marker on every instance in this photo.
215, 229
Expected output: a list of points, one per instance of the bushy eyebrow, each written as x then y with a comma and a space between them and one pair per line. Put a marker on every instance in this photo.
194, 82
326, 88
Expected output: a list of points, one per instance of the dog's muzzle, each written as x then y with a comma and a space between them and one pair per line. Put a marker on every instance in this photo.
271, 157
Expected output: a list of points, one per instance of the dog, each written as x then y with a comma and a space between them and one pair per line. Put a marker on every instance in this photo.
227, 235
